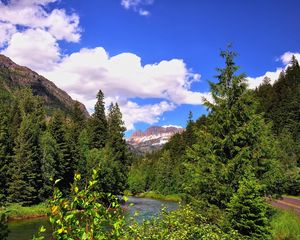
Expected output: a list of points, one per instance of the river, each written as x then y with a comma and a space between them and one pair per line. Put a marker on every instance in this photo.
147, 208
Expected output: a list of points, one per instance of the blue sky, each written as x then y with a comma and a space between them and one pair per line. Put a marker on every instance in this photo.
152, 56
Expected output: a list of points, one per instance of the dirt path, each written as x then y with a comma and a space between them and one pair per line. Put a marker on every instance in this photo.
288, 203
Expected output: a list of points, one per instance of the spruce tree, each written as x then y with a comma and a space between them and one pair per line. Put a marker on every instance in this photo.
98, 127
247, 210
76, 125
189, 134
50, 159
116, 131
235, 140
115, 163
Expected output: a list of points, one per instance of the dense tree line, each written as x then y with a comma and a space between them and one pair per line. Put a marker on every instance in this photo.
278, 108
280, 104
36, 149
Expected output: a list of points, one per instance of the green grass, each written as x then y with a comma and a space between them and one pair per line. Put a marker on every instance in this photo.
285, 226
154, 195
16, 211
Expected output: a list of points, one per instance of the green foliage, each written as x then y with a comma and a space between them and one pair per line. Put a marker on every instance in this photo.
136, 181
3, 227
285, 225
247, 210
288, 150
59, 129
82, 216
166, 175
184, 223
5, 148
155, 195
49, 163
292, 181
83, 144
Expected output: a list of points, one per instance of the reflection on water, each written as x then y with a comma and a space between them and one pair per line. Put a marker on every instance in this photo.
147, 208
24, 229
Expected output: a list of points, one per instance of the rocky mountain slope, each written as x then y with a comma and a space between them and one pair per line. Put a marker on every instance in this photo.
13, 76
152, 138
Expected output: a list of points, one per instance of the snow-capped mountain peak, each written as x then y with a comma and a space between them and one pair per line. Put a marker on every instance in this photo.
153, 137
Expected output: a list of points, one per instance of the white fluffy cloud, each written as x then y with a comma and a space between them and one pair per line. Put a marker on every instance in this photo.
254, 82
34, 48
33, 14
122, 78
6, 31
150, 113
286, 57
137, 6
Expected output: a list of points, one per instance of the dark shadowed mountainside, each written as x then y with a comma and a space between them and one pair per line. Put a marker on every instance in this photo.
14, 76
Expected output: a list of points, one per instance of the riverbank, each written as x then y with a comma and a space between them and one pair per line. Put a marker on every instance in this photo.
17, 212
158, 196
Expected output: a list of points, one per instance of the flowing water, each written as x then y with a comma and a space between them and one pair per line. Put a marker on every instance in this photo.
147, 208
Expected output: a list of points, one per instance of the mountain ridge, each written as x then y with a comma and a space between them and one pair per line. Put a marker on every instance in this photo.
14, 76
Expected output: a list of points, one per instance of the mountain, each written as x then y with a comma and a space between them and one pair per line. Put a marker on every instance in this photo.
14, 76
153, 138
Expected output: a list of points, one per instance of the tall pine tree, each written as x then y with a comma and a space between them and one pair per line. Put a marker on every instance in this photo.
98, 127
235, 140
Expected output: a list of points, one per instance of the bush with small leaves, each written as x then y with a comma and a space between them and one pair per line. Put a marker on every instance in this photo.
82, 215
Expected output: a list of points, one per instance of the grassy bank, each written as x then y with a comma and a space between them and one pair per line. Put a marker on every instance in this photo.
285, 225
154, 195
16, 211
